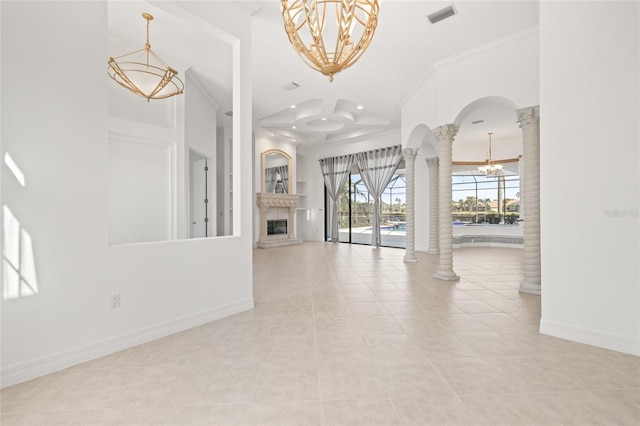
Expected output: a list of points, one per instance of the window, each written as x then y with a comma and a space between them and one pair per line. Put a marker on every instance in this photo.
485, 199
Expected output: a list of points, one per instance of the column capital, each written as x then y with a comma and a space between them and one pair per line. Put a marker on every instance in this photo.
410, 153
433, 161
446, 132
528, 117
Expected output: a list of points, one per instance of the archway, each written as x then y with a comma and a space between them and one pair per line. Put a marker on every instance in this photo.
420, 139
487, 132
493, 115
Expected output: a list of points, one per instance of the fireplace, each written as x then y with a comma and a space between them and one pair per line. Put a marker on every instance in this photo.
277, 215
275, 227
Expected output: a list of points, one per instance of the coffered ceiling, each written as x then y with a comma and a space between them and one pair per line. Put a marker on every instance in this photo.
363, 99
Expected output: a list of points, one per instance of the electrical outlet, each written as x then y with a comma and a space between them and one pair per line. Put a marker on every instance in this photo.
115, 301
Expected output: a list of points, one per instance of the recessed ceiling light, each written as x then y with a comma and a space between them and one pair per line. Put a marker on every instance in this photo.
359, 107
293, 127
292, 106
324, 118
293, 140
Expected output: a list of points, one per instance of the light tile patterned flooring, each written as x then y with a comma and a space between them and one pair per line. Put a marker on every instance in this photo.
346, 334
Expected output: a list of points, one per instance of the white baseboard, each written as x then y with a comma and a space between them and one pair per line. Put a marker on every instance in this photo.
33, 368
590, 337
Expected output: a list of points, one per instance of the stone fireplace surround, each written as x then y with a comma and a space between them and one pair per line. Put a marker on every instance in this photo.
277, 207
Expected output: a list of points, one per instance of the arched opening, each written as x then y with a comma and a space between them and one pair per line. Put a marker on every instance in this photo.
485, 116
492, 115
486, 204
421, 137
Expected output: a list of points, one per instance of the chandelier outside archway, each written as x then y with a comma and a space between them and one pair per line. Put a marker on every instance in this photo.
144, 73
330, 35
490, 169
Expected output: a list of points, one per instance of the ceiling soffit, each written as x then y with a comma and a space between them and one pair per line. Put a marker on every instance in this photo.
324, 120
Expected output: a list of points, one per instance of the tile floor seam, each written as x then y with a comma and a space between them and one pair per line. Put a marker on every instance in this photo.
317, 361
429, 319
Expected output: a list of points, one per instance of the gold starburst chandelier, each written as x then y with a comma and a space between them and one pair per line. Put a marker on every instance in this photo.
330, 35
145, 73
491, 168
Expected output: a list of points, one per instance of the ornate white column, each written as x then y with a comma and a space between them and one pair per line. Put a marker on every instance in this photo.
410, 155
445, 134
529, 120
432, 163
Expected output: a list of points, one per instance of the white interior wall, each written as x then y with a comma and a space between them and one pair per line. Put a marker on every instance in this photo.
140, 190
505, 68
589, 77
200, 119
164, 135
590, 85
201, 136
58, 136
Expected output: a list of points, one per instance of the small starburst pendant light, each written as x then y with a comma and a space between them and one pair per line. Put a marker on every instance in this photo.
330, 35
490, 169
145, 73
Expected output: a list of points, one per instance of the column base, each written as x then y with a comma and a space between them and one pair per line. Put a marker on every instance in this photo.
446, 276
433, 251
531, 288
409, 258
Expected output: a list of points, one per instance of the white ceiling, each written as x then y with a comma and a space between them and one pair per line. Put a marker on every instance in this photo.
404, 47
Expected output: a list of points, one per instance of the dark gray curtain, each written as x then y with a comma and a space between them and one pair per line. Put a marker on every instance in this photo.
335, 171
376, 170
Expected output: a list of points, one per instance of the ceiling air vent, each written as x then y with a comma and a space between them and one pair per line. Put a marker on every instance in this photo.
477, 122
441, 14
291, 86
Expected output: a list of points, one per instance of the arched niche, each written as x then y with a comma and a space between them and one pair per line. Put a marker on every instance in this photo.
275, 158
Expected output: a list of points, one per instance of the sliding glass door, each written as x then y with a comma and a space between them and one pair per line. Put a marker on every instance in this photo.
344, 213
393, 212
355, 211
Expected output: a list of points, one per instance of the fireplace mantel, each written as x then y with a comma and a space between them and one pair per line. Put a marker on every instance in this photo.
277, 207
265, 199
